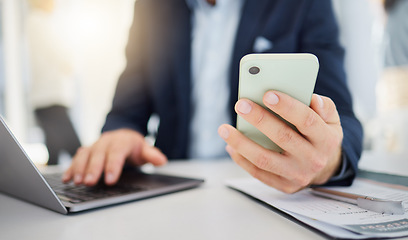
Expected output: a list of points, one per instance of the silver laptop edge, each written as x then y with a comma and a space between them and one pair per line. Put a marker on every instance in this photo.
30, 186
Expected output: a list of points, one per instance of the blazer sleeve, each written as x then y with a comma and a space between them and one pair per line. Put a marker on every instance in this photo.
131, 107
320, 35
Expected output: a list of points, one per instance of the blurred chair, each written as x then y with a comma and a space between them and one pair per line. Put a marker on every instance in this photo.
52, 80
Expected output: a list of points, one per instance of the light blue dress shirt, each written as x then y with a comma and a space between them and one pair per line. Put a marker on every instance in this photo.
213, 37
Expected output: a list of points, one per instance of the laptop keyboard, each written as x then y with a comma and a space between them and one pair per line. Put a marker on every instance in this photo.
78, 194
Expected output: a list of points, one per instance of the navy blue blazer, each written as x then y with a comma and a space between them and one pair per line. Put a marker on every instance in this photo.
156, 79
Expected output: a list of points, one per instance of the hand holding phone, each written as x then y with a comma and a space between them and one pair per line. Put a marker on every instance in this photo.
292, 74
311, 154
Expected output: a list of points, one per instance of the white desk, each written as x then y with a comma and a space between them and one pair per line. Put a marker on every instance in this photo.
211, 211
385, 162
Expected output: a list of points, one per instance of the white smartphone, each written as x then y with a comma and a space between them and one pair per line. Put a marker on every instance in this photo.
293, 74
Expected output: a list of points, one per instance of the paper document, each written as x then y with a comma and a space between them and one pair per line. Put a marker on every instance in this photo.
334, 218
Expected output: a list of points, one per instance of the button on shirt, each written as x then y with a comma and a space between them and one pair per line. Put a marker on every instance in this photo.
213, 39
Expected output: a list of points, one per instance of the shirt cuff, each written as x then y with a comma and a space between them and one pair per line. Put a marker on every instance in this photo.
345, 176
344, 166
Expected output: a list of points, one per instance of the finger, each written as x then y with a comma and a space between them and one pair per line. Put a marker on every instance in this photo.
95, 167
266, 177
115, 161
307, 121
79, 164
285, 166
67, 176
325, 108
272, 126
262, 158
96, 161
153, 155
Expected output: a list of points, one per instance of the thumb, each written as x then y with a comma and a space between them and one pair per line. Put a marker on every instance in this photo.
153, 155
325, 108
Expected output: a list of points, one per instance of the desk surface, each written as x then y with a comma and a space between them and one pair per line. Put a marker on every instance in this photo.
211, 211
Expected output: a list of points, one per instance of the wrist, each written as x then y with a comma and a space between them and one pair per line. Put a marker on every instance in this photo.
334, 168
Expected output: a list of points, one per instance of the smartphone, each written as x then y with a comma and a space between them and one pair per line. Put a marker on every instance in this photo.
293, 74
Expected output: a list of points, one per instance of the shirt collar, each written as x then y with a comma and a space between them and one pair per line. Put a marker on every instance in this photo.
192, 4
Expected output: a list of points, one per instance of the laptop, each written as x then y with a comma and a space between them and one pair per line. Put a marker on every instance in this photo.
20, 178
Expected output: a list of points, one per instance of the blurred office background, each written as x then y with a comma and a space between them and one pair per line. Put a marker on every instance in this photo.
95, 35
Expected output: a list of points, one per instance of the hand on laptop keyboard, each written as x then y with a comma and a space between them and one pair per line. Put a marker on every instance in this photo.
108, 155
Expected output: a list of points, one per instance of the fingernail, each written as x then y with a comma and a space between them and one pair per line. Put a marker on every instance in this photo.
88, 178
244, 107
320, 100
223, 132
77, 178
65, 177
109, 178
271, 98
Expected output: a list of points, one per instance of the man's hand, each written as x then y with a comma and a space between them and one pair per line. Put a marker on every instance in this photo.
109, 154
309, 157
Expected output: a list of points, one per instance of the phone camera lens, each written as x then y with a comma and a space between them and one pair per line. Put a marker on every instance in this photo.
254, 70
